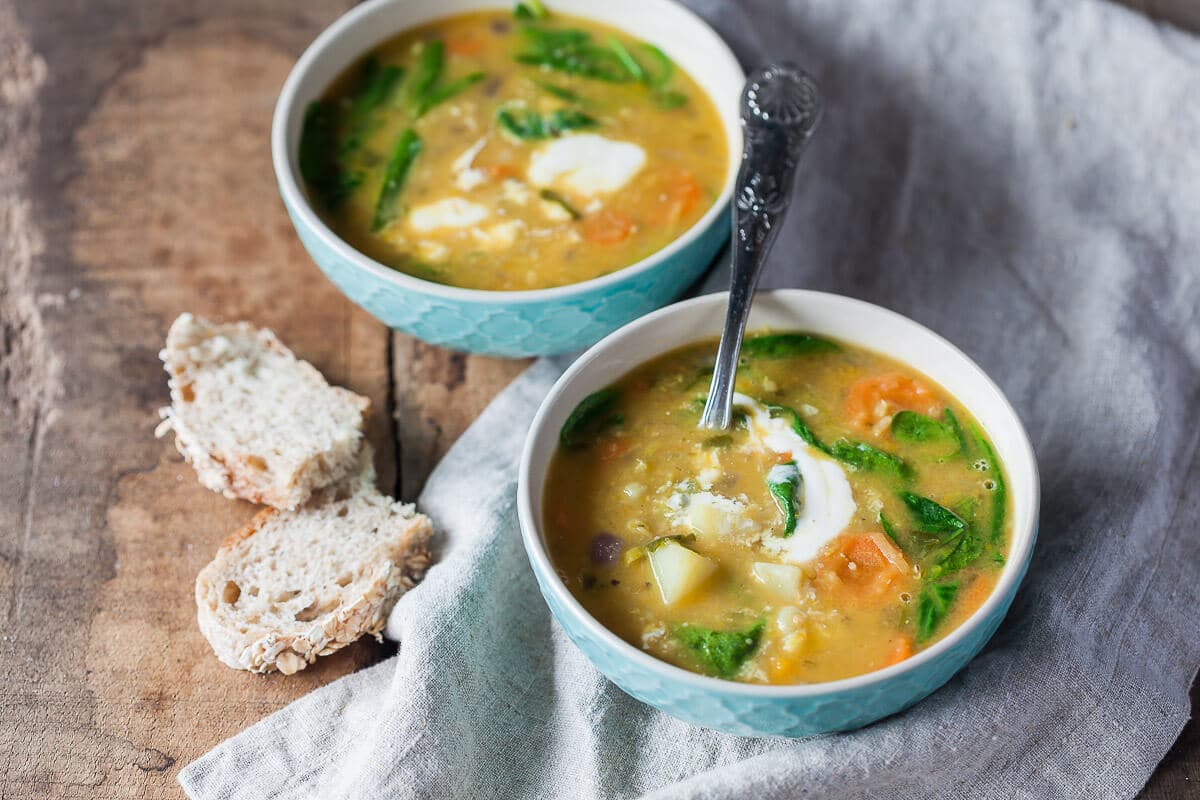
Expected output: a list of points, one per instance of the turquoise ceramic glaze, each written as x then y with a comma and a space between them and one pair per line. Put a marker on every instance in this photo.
799, 710
525, 323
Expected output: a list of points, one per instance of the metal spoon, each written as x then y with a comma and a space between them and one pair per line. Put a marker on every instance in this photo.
781, 106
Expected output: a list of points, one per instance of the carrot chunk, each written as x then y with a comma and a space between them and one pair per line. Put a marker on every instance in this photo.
901, 650
607, 226
879, 396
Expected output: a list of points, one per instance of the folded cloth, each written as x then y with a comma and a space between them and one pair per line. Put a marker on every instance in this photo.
1024, 178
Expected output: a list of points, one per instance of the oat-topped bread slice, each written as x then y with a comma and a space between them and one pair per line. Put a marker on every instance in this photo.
255, 421
294, 585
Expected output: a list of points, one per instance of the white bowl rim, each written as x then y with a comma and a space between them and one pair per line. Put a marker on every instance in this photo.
289, 186
1010, 577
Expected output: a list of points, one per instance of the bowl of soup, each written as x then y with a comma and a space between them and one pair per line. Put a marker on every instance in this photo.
511, 179
847, 545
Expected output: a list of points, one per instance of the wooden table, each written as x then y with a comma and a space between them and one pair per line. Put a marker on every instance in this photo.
135, 183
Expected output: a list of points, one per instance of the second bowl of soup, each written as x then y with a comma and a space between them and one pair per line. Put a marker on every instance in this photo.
850, 542
510, 179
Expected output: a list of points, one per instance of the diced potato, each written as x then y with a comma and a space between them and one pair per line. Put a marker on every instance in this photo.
678, 570
713, 515
782, 580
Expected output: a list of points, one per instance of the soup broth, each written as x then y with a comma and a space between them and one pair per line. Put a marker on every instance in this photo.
513, 151
854, 514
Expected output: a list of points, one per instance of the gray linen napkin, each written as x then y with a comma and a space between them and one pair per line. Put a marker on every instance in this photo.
1021, 176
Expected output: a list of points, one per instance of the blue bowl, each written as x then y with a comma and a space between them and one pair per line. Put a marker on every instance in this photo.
514, 324
804, 709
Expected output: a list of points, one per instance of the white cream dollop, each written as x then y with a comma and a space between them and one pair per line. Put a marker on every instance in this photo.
449, 212
827, 500
586, 163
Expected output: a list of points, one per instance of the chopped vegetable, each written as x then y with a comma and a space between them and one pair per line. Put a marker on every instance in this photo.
665, 67
607, 226
912, 426
861, 455
786, 345
530, 9
318, 156
627, 60
964, 447
781, 579
999, 490
722, 653
592, 414
802, 430
424, 75
720, 440
785, 483
571, 51
561, 92
932, 517
377, 86
636, 554
932, 607
677, 570
551, 196
443, 93
667, 100
872, 398
387, 208
525, 124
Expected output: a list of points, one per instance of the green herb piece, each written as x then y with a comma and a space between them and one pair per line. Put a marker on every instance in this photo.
721, 440
863, 456
636, 554
964, 446
551, 196
318, 156
670, 99
525, 124
932, 517
530, 10
588, 418
802, 430
888, 529
387, 207
784, 481
932, 606
627, 60
661, 76
999, 491
561, 92
909, 426
786, 345
443, 93
721, 652
571, 51
425, 74
969, 547
376, 87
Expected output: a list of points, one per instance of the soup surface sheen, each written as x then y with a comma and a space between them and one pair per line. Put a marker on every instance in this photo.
853, 515
508, 152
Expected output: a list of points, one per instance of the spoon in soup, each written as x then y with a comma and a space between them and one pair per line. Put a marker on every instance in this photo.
781, 106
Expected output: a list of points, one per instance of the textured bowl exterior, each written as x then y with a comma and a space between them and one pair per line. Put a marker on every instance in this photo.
500, 326
725, 709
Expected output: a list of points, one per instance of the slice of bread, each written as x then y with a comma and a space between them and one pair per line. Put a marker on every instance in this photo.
253, 420
294, 585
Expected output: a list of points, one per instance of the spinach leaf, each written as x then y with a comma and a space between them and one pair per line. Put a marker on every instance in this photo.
376, 87
798, 425
932, 606
932, 517
670, 99
964, 447
387, 207
786, 345
561, 92
721, 440
551, 196
909, 426
524, 124
784, 481
660, 77
426, 72
721, 652
592, 414
969, 547
627, 60
318, 156
861, 455
571, 51
441, 94
530, 9
888, 529
999, 491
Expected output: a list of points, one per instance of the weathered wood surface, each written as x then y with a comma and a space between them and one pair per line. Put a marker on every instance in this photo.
135, 183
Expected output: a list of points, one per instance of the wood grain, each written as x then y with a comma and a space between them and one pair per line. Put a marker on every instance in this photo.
135, 183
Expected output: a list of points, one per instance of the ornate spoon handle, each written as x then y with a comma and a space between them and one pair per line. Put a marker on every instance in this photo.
781, 106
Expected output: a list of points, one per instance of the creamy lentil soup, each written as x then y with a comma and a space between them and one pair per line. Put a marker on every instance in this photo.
510, 151
854, 514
